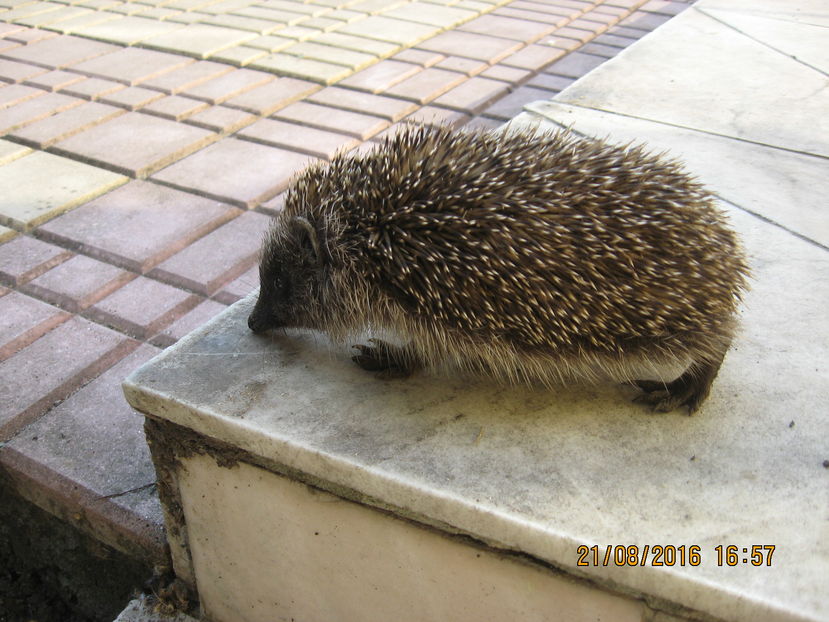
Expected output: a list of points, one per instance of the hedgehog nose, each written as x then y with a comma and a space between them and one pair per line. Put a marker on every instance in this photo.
258, 320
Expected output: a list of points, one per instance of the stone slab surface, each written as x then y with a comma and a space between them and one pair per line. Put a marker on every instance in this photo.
707, 103
784, 186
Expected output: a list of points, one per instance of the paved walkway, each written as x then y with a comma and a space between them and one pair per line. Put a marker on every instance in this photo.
136, 182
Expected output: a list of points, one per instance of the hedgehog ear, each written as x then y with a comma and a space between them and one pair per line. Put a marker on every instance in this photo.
309, 233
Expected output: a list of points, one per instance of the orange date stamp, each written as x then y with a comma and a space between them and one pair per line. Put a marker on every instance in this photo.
672, 555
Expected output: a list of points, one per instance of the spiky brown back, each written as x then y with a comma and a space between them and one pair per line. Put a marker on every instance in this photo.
547, 241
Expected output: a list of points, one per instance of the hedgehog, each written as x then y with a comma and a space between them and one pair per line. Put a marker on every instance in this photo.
519, 255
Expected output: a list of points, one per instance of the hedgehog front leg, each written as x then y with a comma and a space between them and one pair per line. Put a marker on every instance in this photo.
690, 389
387, 360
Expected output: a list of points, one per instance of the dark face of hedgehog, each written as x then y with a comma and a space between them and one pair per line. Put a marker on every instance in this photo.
289, 277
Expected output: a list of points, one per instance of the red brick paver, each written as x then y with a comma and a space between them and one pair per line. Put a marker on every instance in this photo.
145, 224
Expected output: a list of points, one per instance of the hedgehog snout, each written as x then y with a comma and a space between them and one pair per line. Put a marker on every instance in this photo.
260, 319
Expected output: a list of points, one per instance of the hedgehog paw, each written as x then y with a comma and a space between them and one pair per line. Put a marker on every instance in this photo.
388, 361
690, 389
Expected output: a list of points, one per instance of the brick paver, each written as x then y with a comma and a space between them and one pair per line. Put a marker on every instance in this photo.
64, 124
24, 320
135, 144
190, 321
49, 369
217, 258
222, 171
314, 142
25, 258
77, 283
92, 263
131, 66
142, 307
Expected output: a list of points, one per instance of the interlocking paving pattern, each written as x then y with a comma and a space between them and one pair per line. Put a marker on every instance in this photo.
143, 146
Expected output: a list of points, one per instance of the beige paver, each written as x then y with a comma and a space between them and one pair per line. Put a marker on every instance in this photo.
222, 171
222, 119
41, 185
14, 71
54, 80
221, 88
200, 40
270, 97
357, 101
52, 17
469, 66
381, 76
242, 22
188, 76
319, 71
270, 43
388, 29
358, 44
11, 151
127, 30
239, 55
132, 97
69, 26
35, 109
60, 51
329, 54
6, 234
473, 95
471, 45
175, 107
430, 14
17, 93
93, 88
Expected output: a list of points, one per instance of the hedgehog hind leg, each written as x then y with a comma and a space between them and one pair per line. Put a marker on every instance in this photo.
689, 390
386, 360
